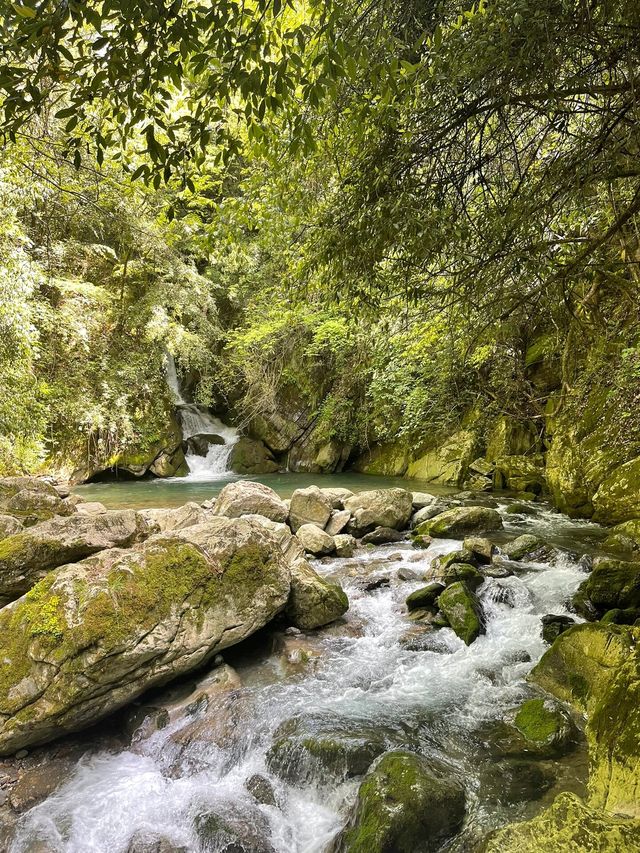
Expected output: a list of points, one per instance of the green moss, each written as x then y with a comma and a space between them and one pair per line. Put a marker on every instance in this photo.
462, 610
536, 721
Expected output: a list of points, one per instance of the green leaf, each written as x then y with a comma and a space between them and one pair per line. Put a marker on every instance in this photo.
24, 11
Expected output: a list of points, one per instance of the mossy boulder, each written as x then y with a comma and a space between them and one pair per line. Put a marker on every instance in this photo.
618, 496
405, 805
449, 462
96, 634
426, 596
379, 508
452, 572
544, 728
250, 456
611, 584
510, 437
568, 826
480, 548
521, 473
524, 546
313, 601
29, 555
386, 460
625, 536
461, 521
31, 500
462, 611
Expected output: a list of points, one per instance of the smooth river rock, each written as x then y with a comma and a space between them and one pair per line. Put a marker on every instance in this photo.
27, 556
248, 498
461, 521
379, 508
95, 635
309, 506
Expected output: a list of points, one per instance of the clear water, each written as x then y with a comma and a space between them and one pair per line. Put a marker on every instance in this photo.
360, 676
176, 491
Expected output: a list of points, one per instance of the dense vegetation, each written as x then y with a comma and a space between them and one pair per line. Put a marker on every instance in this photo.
385, 210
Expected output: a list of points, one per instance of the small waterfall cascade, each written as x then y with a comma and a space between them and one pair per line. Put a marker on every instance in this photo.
207, 440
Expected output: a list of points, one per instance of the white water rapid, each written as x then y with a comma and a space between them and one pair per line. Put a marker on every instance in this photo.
376, 675
194, 421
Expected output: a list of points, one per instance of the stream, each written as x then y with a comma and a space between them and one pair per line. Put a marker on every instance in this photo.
372, 678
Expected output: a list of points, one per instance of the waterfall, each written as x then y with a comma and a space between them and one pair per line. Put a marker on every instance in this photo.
217, 439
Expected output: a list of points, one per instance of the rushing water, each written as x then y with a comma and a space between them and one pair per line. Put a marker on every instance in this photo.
373, 675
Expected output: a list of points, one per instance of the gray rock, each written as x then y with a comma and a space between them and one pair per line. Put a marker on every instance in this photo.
315, 541
379, 508
337, 496
165, 520
10, 525
97, 634
381, 536
248, 498
420, 500
482, 549
338, 521
313, 601
519, 548
345, 545
425, 514
27, 556
309, 506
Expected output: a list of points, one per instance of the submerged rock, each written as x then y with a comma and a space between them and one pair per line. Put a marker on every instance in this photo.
379, 508
247, 498
96, 634
313, 601
29, 555
151, 842
462, 611
539, 727
460, 521
404, 805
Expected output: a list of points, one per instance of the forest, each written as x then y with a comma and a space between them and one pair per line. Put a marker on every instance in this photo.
376, 241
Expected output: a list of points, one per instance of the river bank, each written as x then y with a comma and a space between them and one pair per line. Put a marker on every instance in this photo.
271, 749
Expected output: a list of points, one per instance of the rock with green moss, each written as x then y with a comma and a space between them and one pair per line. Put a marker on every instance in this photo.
461, 521
9, 525
426, 596
480, 548
611, 584
406, 805
543, 728
463, 611
247, 498
453, 572
625, 536
521, 473
379, 508
29, 555
313, 601
96, 634
388, 460
31, 500
250, 456
568, 826
510, 437
449, 461
618, 496
523, 546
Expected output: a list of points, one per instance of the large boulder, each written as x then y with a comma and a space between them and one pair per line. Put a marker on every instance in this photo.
337, 495
379, 508
96, 634
520, 473
611, 584
250, 456
313, 601
175, 518
404, 805
309, 506
27, 556
460, 521
462, 610
31, 499
568, 826
618, 496
247, 498
9, 525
